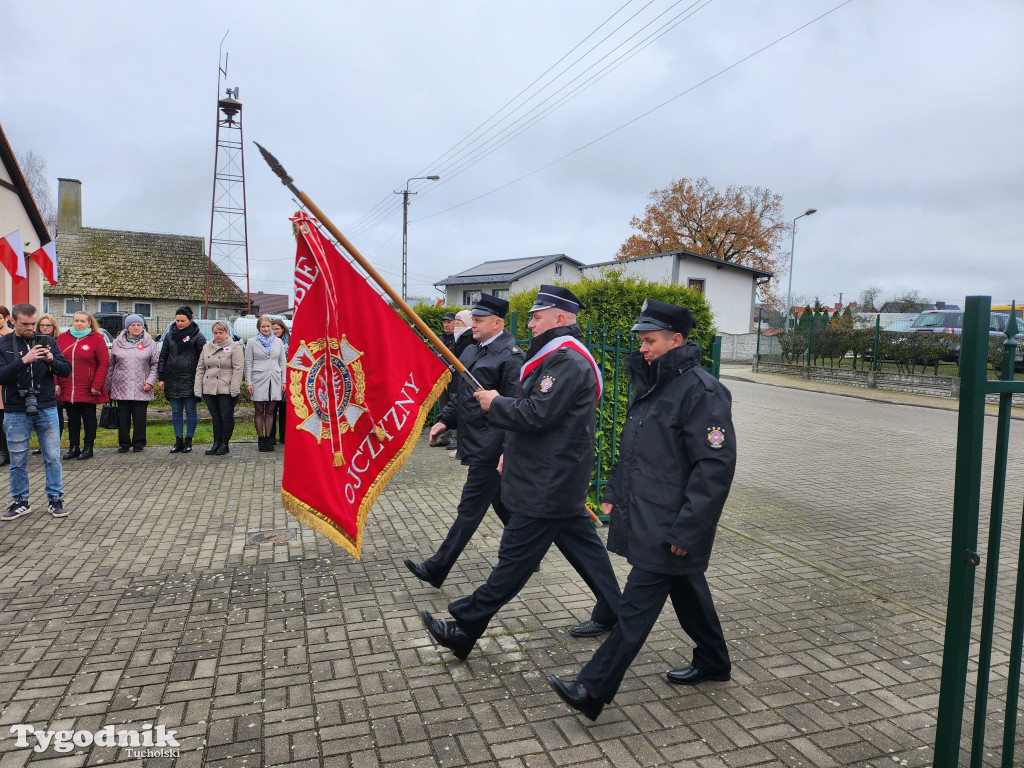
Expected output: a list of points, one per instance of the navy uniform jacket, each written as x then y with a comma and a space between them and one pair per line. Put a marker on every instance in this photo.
495, 366
549, 433
677, 456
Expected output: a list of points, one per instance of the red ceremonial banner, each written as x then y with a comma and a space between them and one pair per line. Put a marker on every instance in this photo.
360, 384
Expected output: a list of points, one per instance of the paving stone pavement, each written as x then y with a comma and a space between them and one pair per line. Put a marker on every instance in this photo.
147, 606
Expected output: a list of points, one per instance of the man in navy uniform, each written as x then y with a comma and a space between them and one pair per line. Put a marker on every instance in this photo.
494, 360
548, 456
677, 456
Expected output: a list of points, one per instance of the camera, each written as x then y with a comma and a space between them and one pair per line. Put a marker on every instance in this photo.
31, 397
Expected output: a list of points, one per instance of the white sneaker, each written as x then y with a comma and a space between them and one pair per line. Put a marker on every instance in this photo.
16, 510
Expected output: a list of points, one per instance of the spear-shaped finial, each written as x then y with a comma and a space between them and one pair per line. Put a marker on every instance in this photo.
277, 168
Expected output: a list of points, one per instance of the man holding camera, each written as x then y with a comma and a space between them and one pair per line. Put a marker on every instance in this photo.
29, 364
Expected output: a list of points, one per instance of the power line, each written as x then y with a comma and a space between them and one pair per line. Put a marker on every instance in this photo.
388, 206
355, 225
641, 116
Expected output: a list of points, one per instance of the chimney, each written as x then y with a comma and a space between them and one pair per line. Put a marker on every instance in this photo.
69, 206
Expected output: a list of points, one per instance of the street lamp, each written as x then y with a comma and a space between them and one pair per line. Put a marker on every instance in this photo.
405, 227
789, 293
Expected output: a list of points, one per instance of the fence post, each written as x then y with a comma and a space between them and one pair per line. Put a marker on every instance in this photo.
874, 353
513, 318
964, 557
757, 350
810, 340
716, 357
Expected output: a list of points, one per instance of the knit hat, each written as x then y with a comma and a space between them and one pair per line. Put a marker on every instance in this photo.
133, 319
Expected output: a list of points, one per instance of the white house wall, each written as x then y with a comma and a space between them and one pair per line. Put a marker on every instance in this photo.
729, 291
12, 217
547, 276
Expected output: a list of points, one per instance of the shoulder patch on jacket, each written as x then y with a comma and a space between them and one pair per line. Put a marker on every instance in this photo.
716, 436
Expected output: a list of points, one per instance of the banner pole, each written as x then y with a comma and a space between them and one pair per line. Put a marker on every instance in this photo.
406, 310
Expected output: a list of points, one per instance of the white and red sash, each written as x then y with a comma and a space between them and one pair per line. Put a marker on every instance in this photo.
553, 346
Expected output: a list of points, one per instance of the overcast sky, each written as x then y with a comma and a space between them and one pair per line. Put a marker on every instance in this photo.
899, 121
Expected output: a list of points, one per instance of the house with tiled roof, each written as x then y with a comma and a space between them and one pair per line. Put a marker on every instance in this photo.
19, 213
148, 273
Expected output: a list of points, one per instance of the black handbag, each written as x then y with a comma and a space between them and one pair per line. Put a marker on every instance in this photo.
108, 415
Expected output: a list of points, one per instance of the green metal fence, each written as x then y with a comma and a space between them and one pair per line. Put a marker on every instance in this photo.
964, 556
610, 349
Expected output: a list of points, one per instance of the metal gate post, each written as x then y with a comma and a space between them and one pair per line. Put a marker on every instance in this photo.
964, 557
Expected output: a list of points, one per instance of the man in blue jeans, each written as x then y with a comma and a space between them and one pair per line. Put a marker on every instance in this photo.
29, 363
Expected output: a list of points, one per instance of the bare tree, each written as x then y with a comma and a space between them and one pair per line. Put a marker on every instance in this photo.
870, 299
33, 168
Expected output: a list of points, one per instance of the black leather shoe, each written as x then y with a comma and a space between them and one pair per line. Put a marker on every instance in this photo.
223, 449
124, 449
693, 675
86, 453
576, 696
449, 634
73, 453
590, 629
419, 570
212, 449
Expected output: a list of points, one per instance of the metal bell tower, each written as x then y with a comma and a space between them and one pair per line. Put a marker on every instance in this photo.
229, 248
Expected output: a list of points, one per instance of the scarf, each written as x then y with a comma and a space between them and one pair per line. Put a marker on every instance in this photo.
80, 334
132, 339
189, 330
266, 341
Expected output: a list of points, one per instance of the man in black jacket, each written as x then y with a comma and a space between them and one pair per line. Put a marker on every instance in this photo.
549, 452
29, 364
494, 360
677, 456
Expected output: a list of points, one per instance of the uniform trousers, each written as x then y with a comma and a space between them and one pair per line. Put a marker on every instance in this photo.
482, 490
642, 601
524, 543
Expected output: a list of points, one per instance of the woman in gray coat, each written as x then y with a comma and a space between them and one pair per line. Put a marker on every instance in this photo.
130, 380
265, 361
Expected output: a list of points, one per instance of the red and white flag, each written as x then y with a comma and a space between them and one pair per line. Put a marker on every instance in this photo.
360, 383
12, 254
46, 258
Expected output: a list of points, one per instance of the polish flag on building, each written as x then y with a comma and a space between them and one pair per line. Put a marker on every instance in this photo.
12, 254
46, 258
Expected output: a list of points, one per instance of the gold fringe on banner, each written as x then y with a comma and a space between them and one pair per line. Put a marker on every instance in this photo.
322, 524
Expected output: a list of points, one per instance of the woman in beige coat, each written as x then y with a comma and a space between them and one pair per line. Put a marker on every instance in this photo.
218, 381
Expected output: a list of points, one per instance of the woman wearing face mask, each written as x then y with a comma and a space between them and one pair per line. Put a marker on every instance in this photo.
219, 380
176, 371
85, 348
130, 380
264, 376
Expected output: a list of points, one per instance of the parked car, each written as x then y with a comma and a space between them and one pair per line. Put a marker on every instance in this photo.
939, 321
900, 326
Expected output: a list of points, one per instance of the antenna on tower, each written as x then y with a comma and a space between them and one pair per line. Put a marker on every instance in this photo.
229, 247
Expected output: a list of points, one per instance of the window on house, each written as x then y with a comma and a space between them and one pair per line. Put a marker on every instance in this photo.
46, 306
143, 308
108, 306
73, 305
500, 293
470, 297
558, 269
696, 284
